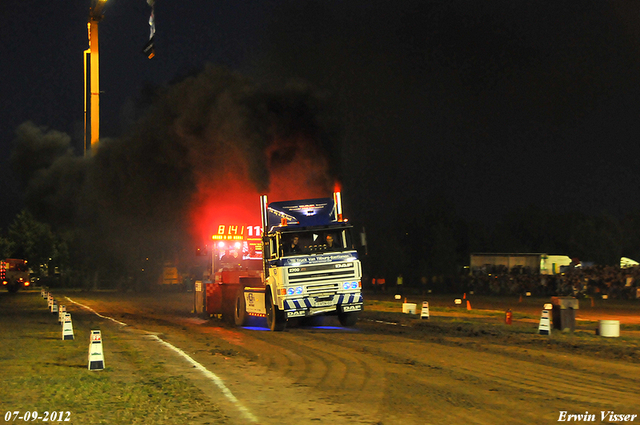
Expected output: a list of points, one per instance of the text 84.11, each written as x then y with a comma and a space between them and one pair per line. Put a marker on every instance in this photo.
31, 416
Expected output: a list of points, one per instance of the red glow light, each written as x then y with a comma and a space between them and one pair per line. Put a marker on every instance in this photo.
226, 194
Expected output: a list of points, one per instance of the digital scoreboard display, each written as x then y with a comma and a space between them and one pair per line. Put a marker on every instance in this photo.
246, 240
235, 232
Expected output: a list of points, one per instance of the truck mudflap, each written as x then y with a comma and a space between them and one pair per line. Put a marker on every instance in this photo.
351, 308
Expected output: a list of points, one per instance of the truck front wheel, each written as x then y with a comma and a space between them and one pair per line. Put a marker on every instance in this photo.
348, 319
275, 317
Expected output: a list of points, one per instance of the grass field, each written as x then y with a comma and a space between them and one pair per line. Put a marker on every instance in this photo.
41, 372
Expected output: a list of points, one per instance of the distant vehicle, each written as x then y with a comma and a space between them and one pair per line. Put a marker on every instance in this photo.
14, 274
170, 275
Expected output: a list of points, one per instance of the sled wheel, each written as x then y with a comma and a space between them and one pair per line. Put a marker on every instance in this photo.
240, 311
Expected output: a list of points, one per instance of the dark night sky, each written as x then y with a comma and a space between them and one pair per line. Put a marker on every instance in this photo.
493, 105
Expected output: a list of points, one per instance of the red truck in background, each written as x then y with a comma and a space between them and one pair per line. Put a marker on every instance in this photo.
14, 274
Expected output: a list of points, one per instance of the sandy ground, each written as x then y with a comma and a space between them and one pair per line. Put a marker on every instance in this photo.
384, 373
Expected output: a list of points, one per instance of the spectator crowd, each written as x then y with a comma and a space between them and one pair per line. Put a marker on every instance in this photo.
581, 282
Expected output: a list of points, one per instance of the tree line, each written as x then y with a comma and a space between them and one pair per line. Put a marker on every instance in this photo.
46, 251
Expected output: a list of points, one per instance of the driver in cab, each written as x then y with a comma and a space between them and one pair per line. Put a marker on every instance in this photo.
331, 244
292, 247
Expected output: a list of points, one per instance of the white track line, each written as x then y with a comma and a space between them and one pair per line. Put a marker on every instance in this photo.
219, 383
96, 313
245, 412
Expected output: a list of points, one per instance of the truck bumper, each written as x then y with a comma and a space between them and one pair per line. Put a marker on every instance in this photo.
312, 306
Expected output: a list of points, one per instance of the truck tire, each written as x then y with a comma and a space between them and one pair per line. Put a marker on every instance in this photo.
348, 319
240, 311
275, 317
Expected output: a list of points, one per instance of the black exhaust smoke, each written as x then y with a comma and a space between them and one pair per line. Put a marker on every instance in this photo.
201, 151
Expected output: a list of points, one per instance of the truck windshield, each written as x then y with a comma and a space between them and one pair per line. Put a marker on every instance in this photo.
308, 242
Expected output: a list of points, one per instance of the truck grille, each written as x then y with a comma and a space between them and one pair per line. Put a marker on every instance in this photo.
318, 289
325, 277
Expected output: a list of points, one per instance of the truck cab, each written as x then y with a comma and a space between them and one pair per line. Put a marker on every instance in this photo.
323, 277
311, 265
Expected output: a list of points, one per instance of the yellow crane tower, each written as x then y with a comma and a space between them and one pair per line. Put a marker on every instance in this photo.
95, 15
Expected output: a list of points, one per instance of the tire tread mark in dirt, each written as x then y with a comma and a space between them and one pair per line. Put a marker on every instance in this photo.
316, 368
552, 375
354, 376
575, 386
367, 371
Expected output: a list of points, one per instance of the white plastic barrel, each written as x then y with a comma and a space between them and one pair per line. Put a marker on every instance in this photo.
409, 308
610, 328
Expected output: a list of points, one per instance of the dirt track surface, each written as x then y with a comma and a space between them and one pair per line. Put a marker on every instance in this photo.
379, 372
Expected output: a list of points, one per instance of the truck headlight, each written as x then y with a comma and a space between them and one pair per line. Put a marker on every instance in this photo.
297, 290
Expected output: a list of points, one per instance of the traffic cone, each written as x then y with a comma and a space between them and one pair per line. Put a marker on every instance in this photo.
464, 296
508, 317
520, 300
96, 356
67, 327
468, 305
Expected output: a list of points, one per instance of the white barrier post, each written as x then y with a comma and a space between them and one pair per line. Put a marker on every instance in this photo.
545, 327
96, 356
62, 310
67, 327
424, 314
